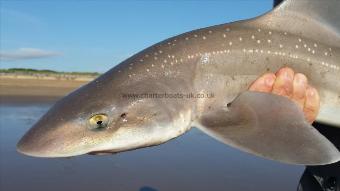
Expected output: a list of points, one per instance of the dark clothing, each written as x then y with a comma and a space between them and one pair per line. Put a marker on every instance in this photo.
277, 2
327, 177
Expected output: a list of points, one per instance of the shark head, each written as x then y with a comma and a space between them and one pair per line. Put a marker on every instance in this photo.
97, 120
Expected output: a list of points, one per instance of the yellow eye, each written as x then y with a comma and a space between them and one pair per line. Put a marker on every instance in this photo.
98, 121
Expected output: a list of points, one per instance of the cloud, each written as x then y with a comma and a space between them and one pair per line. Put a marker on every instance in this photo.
27, 53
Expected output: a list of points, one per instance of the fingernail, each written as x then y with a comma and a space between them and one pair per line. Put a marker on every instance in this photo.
310, 92
287, 75
269, 81
300, 79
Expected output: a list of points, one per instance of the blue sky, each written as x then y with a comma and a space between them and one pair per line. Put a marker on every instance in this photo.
94, 36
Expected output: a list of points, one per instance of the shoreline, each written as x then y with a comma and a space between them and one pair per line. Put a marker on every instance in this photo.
25, 89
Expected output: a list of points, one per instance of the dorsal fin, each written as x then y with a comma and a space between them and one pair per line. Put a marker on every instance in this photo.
315, 19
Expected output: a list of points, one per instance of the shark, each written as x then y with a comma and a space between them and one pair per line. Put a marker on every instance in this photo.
199, 79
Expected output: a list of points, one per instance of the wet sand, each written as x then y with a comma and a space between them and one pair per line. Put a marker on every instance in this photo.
25, 89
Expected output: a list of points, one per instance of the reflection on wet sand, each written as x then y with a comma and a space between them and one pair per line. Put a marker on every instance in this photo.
147, 188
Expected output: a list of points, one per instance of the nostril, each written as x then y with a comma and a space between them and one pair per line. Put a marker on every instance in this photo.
123, 115
99, 122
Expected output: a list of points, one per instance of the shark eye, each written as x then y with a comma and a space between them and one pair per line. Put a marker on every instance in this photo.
98, 121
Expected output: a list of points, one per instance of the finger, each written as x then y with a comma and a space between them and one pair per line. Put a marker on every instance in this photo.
312, 104
264, 83
284, 82
299, 89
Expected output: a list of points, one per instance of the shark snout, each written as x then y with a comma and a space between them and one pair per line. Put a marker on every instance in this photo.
36, 143
28, 147
48, 139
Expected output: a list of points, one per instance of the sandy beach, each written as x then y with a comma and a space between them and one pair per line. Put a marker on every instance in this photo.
28, 88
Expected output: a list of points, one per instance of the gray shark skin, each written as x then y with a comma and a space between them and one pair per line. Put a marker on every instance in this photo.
221, 61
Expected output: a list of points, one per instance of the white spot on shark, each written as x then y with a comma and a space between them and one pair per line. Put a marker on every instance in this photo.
205, 58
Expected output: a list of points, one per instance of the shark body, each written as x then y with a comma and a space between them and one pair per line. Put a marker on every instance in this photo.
144, 100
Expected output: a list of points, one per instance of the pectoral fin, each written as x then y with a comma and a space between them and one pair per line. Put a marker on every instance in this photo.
272, 127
